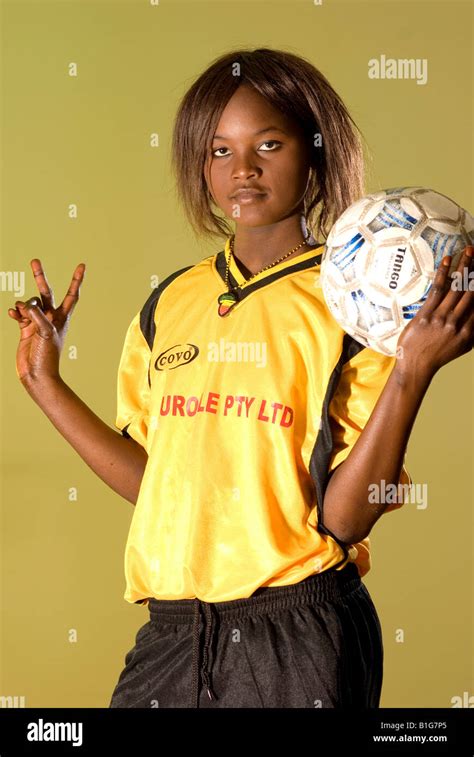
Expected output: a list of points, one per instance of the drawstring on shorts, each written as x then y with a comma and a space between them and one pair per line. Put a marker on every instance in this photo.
205, 673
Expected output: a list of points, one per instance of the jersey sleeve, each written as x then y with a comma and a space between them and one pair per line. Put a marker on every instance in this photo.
361, 383
133, 387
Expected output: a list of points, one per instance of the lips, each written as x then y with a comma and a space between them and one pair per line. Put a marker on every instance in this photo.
247, 194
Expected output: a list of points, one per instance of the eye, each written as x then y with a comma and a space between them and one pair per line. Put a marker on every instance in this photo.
271, 142
268, 142
213, 152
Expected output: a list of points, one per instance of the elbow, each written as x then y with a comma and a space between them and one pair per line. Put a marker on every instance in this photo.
350, 521
341, 518
349, 538
343, 532
357, 537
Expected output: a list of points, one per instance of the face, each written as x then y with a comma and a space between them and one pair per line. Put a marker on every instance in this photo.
256, 145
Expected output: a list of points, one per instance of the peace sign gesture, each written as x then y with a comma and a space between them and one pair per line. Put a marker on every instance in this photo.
43, 327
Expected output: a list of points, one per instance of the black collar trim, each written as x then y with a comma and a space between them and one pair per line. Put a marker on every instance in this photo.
249, 288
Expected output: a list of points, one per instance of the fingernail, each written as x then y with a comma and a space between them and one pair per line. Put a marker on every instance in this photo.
446, 260
470, 251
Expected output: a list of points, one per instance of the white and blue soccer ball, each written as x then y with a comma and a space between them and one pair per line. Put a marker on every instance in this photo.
381, 257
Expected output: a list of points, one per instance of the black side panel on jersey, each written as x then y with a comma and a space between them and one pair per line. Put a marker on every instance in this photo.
147, 313
321, 454
147, 318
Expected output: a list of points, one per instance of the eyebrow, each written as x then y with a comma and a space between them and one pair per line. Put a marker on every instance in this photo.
260, 131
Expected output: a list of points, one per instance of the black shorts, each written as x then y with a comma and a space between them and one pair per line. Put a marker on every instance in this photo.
317, 643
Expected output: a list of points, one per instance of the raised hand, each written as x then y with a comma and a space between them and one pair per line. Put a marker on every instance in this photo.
443, 328
43, 327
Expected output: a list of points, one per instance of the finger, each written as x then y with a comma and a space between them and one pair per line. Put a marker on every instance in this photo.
34, 313
14, 313
467, 329
21, 314
22, 310
465, 306
34, 302
464, 282
15, 316
45, 290
457, 279
466, 302
72, 294
439, 287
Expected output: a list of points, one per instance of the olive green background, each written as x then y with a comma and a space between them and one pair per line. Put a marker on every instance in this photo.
86, 140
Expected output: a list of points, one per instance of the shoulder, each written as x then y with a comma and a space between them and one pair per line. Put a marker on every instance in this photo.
146, 315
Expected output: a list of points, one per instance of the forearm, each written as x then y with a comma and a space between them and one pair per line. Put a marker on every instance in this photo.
376, 456
118, 461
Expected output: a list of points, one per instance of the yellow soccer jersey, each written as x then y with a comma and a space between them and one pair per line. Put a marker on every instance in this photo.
242, 417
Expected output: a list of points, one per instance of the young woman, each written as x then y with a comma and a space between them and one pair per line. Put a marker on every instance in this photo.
252, 425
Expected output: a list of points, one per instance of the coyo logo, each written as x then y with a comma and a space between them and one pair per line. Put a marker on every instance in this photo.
174, 357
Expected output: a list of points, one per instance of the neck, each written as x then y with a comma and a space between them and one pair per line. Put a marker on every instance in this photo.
257, 247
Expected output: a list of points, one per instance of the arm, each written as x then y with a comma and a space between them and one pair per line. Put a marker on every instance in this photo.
119, 461
442, 330
377, 455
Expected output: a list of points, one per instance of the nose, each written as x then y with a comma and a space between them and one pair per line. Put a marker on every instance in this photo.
244, 167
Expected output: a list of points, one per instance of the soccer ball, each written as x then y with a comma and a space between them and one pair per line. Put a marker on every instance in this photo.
381, 257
